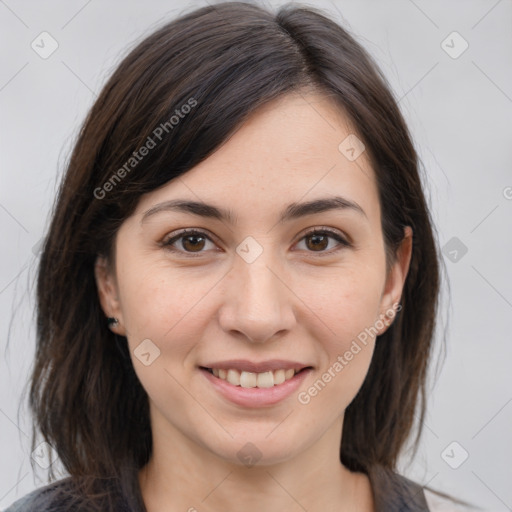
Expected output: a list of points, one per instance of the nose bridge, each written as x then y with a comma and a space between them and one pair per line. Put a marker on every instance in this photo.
257, 304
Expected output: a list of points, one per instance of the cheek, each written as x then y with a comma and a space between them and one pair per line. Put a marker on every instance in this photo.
348, 307
347, 301
347, 352
170, 310
158, 302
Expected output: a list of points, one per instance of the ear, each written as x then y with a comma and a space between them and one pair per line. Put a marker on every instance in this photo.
108, 293
395, 281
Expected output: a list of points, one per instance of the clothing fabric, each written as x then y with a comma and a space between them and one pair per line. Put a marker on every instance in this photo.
391, 492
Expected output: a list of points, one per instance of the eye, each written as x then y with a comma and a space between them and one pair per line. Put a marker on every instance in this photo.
189, 241
318, 239
195, 242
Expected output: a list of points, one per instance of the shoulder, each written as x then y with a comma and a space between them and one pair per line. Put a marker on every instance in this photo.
50, 498
393, 492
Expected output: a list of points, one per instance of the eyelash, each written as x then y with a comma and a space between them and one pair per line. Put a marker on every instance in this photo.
316, 231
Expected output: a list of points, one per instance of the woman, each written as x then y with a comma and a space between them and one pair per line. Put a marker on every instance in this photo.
238, 291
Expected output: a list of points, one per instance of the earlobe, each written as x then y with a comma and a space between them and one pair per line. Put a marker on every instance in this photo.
108, 294
395, 281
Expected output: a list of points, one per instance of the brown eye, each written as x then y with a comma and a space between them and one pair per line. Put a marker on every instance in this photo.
188, 242
318, 241
192, 243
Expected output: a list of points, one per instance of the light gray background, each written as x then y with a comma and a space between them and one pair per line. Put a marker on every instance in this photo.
460, 113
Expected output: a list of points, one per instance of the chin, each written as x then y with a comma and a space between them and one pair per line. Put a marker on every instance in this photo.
256, 449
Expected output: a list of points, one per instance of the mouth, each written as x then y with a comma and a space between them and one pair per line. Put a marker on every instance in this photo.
246, 379
250, 389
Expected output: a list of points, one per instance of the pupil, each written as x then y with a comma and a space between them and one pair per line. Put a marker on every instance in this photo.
316, 238
195, 244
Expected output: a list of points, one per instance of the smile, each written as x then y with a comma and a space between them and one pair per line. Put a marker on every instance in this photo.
251, 389
254, 380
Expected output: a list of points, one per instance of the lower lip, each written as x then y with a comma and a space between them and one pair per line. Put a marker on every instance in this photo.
256, 397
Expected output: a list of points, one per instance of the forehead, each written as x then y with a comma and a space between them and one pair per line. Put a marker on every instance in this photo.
289, 149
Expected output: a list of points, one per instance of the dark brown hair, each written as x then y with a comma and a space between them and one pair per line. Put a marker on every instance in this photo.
230, 58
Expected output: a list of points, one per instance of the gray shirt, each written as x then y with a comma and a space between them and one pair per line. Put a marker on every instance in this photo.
391, 493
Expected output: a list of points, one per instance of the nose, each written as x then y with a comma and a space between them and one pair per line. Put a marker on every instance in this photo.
257, 304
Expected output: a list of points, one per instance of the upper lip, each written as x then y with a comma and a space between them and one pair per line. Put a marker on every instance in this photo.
263, 366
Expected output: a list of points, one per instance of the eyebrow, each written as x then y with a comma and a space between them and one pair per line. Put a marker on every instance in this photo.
291, 212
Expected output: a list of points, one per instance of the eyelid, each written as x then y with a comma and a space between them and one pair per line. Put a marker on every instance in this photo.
326, 229
343, 240
168, 240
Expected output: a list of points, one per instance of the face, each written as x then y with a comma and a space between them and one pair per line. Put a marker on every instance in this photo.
272, 286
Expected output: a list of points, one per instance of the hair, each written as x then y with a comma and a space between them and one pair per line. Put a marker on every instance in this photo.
225, 61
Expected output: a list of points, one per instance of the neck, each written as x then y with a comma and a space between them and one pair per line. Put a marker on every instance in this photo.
191, 478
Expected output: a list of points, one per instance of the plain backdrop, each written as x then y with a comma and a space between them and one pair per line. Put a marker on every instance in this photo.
450, 65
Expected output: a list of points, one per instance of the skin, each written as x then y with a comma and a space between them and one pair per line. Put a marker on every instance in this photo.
290, 303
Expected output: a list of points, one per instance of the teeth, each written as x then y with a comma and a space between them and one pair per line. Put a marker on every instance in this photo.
248, 380
253, 380
264, 380
233, 377
279, 376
